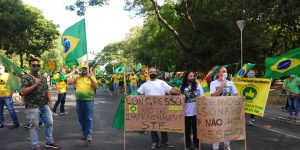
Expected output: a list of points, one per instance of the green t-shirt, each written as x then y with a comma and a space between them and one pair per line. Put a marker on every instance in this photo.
292, 86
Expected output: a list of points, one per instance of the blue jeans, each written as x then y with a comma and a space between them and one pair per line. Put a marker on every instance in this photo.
34, 115
116, 87
294, 102
133, 88
8, 102
61, 99
84, 110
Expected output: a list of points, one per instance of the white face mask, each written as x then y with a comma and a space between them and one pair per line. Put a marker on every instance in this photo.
225, 75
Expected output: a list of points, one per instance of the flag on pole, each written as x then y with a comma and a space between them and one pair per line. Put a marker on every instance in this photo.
209, 77
244, 70
120, 69
74, 43
13, 82
283, 65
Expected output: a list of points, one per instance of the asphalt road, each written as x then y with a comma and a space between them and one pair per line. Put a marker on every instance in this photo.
267, 134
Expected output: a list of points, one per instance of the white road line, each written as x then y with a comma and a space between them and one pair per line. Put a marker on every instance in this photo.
279, 131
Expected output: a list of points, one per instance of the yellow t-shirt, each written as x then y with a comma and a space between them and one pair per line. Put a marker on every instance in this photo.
143, 77
61, 87
116, 78
147, 77
84, 88
3, 80
133, 80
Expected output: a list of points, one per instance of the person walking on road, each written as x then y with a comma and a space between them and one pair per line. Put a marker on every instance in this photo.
85, 85
6, 99
61, 86
222, 87
290, 85
157, 87
191, 89
37, 99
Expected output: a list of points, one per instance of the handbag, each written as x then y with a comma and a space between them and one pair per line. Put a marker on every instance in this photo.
292, 95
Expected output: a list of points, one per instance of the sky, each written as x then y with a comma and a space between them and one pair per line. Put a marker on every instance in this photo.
104, 25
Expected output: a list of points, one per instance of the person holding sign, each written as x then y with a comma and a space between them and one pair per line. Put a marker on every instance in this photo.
290, 85
191, 89
156, 87
251, 74
222, 87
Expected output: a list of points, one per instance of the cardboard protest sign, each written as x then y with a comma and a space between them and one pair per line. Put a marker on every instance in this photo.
220, 118
154, 113
256, 92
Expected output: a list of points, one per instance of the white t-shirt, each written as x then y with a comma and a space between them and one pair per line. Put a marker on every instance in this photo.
228, 90
190, 100
155, 88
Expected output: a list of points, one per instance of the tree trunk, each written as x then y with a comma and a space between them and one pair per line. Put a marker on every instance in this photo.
21, 60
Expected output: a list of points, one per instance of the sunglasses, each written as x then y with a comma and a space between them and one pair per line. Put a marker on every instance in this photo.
35, 65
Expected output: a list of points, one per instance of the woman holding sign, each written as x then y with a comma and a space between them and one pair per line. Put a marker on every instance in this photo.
191, 89
222, 87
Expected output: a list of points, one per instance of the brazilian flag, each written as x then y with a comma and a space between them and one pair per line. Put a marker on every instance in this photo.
104, 82
13, 82
74, 43
120, 69
244, 70
283, 65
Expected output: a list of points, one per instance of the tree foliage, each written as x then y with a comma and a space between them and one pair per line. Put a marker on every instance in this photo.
25, 31
194, 34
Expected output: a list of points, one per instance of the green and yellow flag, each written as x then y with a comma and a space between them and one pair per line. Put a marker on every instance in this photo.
205, 88
104, 82
13, 82
120, 70
74, 43
256, 92
244, 70
283, 65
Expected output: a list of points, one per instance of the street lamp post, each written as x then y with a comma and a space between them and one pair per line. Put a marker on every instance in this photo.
241, 24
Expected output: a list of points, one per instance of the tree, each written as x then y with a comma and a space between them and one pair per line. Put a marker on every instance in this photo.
27, 31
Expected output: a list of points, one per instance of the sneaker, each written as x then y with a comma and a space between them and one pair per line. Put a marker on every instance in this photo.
41, 124
227, 147
167, 145
28, 126
290, 117
89, 138
83, 138
295, 118
54, 114
52, 145
250, 123
155, 146
37, 148
1, 125
14, 126
63, 113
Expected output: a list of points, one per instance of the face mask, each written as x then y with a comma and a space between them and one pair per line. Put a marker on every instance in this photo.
292, 76
153, 76
251, 75
225, 75
83, 72
191, 81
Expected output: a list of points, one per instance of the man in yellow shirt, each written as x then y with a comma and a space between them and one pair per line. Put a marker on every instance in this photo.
133, 82
6, 99
116, 79
61, 86
86, 83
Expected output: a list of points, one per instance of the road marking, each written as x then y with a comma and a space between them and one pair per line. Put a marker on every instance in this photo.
286, 133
